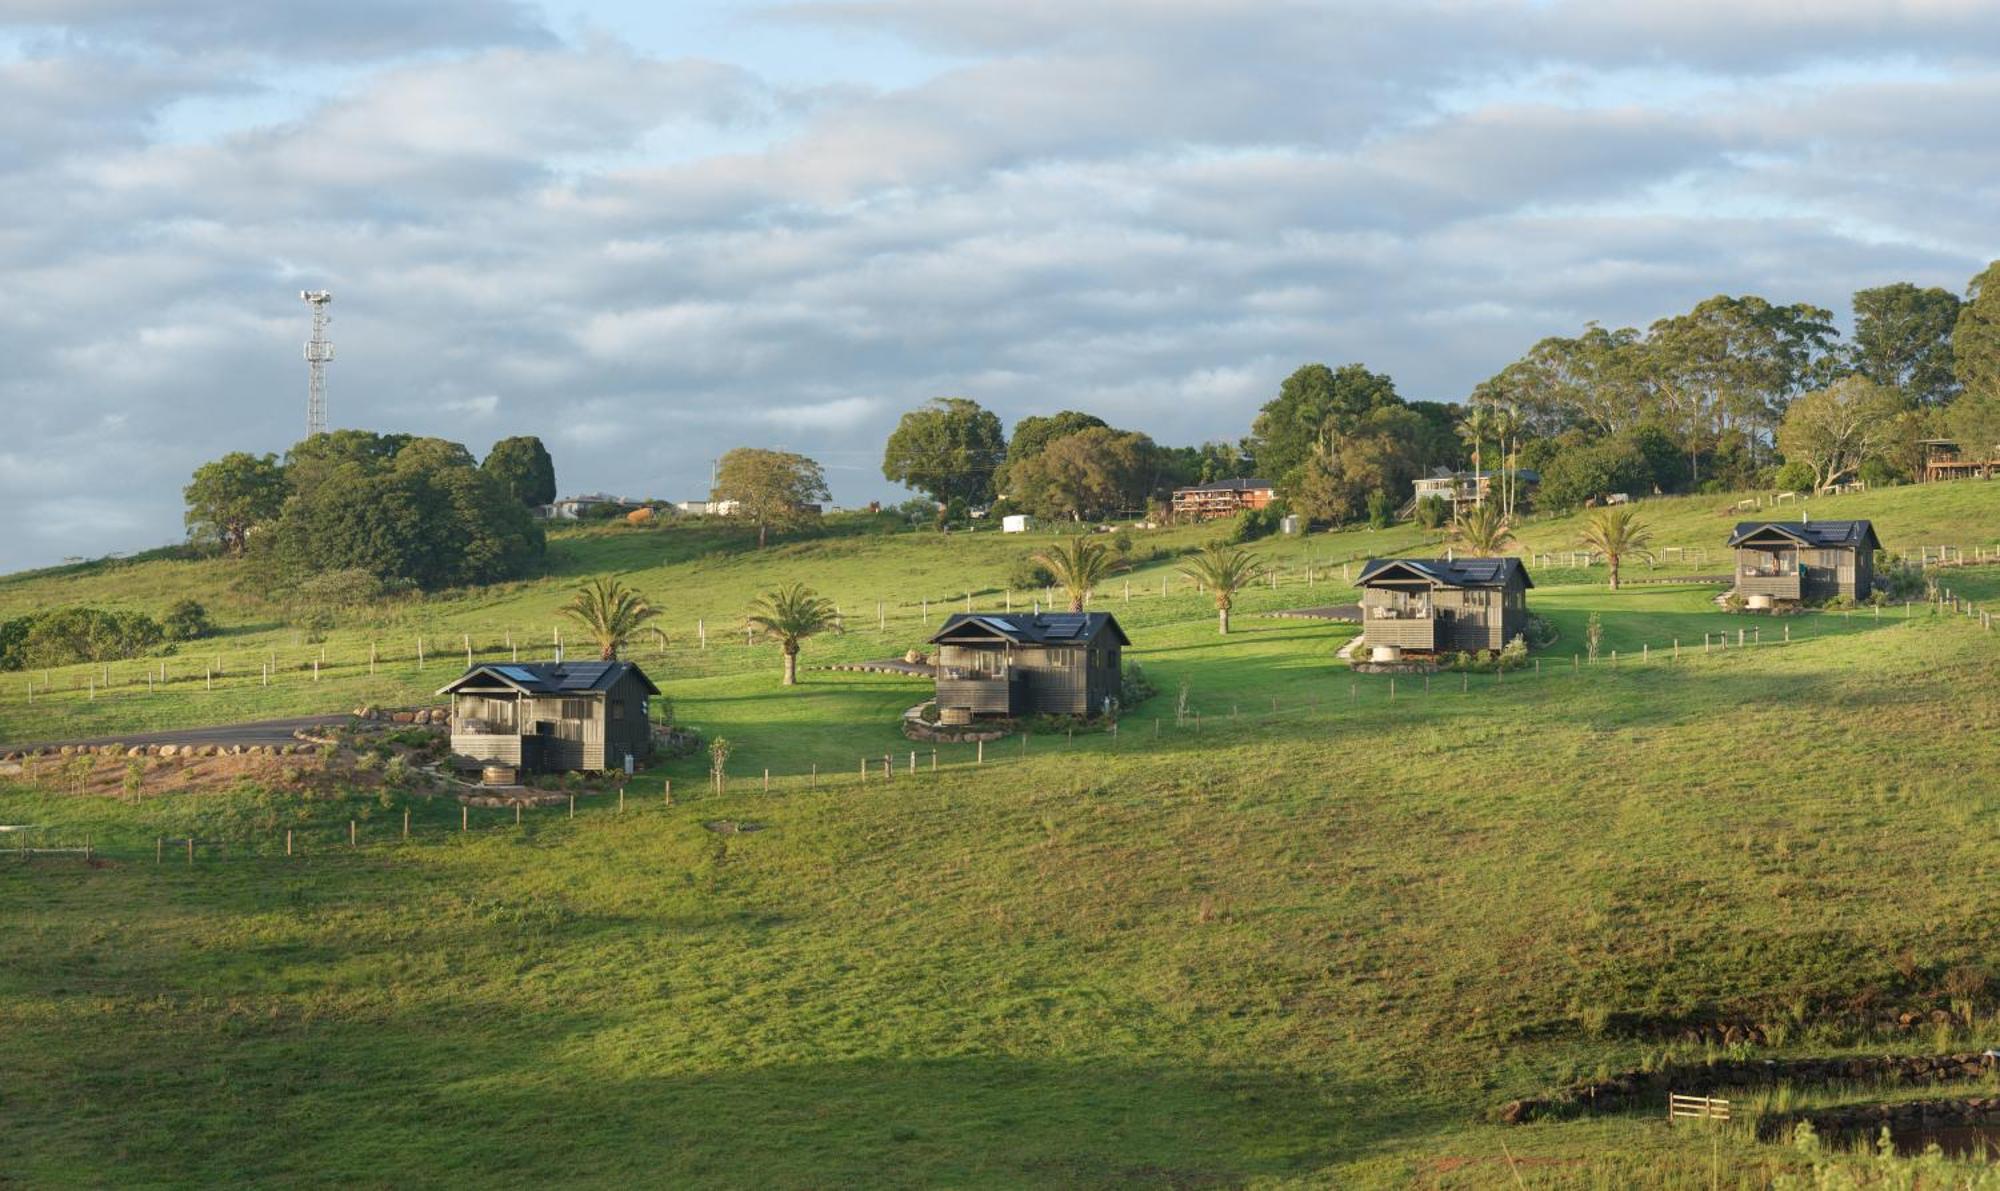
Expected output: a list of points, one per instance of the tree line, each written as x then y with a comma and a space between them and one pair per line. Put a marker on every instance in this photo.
1738, 392
404, 510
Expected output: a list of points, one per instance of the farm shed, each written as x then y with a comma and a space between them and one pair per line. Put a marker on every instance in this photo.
1435, 605
547, 717
1057, 663
1805, 560
1016, 523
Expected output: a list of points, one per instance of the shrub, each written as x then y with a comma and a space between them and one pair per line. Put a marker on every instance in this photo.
1381, 509
1796, 476
66, 636
1027, 572
1432, 511
1880, 473
1251, 524
187, 620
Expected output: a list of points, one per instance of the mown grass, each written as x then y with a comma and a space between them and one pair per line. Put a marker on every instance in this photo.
1310, 946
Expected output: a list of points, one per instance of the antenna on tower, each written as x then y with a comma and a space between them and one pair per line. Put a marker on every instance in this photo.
319, 350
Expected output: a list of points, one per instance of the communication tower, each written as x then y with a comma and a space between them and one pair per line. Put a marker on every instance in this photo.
319, 349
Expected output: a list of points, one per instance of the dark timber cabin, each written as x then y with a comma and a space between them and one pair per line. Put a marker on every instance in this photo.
1437, 605
546, 717
1057, 663
1805, 560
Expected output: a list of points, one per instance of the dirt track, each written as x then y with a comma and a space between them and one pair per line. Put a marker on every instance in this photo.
259, 732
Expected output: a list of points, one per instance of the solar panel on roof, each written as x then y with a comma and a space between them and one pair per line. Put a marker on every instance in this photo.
517, 673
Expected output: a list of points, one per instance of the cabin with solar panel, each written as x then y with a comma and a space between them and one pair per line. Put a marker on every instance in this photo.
512, 718
1019, 663
1804, 561
1441, 605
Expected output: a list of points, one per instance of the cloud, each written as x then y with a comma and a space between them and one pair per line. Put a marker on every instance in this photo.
651, 253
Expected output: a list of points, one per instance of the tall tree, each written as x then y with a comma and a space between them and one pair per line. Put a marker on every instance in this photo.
1033, 434
1314, 401
1078, 567
610, 613
788, 616
949, 450
1085, 475
1617, 534
1836, 429
1476, 428
774, 489
233, 495
1902, 340
522, 466
1222, 572
1975, 339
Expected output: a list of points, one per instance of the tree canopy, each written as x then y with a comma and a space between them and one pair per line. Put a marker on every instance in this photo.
1902, 341
522, 466
772, 489
1314, 402
1088, 474
233, 495
404, 510
949, 449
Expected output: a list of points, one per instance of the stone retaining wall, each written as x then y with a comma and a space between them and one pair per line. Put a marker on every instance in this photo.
1866, 1120
1627, 1088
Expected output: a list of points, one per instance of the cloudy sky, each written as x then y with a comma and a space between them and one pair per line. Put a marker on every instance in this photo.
649, 232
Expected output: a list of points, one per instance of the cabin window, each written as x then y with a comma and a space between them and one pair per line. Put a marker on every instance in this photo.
618, 709
576, 709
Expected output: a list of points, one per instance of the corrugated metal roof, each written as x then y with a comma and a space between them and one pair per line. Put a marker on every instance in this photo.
554, 678
1045, 628
1454, 572
1813, 533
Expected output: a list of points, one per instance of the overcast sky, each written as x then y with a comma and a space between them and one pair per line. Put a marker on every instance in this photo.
649, 236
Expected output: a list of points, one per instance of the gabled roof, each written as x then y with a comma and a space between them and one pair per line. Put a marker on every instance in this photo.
1230, 486
1028, 628
552, 678
1858, 534
1454, 572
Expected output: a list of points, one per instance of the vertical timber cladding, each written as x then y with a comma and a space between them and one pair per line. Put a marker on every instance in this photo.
1069, 663
1439, 604
1837, 557
566, 715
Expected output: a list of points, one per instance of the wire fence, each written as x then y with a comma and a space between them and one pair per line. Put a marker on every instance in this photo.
415, 820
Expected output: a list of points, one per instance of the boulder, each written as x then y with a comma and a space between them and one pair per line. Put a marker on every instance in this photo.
168, 750
404, 717
137, 750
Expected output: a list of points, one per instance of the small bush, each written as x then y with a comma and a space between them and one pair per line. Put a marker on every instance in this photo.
1432, 512
187, 620
1026, 572
1251, 524
1794, 477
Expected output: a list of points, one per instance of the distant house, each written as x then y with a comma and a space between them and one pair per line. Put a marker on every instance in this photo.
1459, 488
1224, 498
1804, 560
708, 508
1438, 605
1943, 460
574, 508
1056, 663
546, 717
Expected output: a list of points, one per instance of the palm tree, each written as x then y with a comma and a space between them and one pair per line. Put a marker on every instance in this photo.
1475, 428
1079, 567
610, 612
1485, 531
1505, 426
1616, 533
788, 616
1224, 572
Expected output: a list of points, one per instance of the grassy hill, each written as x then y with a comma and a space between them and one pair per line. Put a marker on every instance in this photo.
1310, 945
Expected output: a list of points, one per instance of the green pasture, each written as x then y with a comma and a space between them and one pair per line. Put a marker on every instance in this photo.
1314, 943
